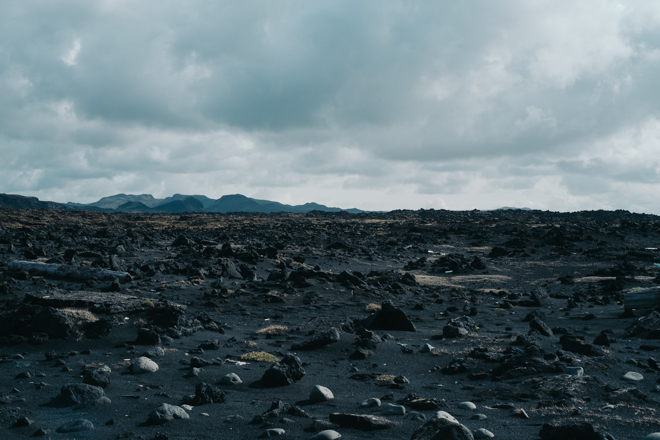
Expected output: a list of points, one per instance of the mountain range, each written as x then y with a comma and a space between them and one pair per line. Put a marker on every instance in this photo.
146, 203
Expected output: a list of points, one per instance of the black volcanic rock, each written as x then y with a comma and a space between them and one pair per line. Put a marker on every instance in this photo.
457, 327
571, 431
282, 373
578, 345
362, 422
321, 340
389, 317
206, 393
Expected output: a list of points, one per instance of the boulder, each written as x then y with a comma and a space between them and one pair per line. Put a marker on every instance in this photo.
166, 412
442, 427
283, 373
321, 340
389, 317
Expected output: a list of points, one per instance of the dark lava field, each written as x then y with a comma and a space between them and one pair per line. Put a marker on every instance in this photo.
403, 325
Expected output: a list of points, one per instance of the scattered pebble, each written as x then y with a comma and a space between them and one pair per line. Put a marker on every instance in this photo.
370, 403
328, 434
320, 394
272, 432
483, 433
633, 376
230, 379
144, 365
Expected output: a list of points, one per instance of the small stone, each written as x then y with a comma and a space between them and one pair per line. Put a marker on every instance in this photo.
370, 403
427, 348
194, 372
479, 417
320, 394
166, 412
574, 371
230, 379
144, 365
78, 393
653, 436
154, 352
328, 434
633, 376
445, 416
467, 405
416, 416
40, 432
22, 422
392, 409
363, 422
483, 433
272, 432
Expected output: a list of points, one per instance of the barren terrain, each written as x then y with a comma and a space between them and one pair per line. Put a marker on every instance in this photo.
421, 310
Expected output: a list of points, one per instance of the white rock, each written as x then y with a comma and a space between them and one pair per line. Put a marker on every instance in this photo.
483, 433
445, 415
370, 403
144, 365
328, 434
467, 405
653, 436
393, 409
166, 412
320, 394
634, 376
230, 379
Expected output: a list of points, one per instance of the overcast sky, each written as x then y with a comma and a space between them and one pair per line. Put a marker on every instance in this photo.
378, 105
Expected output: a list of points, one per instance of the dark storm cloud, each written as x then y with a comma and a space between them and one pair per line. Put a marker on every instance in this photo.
379, 104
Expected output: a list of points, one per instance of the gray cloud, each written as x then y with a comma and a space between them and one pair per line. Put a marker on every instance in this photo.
380, 105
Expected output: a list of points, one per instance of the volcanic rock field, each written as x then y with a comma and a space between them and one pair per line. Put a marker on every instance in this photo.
419, 325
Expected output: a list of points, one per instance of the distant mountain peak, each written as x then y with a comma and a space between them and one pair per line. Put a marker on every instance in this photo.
146, 203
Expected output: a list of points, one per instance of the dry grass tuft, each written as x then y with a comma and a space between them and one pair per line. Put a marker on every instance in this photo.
372, 307
272, 329
259, 356
78, 316
386, 377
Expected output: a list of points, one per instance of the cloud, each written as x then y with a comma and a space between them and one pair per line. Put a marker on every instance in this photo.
380, 105
69, 58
